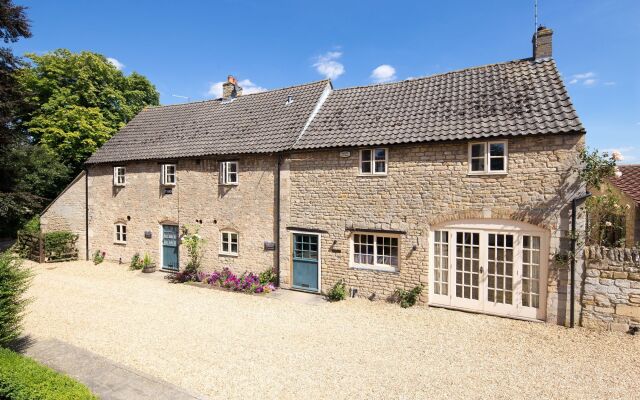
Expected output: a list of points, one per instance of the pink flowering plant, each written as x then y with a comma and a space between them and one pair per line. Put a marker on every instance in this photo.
247, 282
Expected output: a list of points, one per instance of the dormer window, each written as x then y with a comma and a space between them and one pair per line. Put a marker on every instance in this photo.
488, 158
229, 173
119, 177
168, 174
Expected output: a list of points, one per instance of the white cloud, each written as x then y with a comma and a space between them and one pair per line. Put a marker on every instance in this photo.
215, 90
328, 66
630, 154
115, 63
610, 83
586, 79
247, 86
383, 73
586, 75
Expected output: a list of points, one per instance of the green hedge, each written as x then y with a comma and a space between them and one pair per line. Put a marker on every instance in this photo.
22, 378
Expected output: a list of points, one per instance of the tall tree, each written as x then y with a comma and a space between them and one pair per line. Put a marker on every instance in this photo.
13, 26
79, 100
32, 177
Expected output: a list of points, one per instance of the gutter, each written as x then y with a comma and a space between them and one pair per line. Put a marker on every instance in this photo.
277, 218
574, 207
86, 211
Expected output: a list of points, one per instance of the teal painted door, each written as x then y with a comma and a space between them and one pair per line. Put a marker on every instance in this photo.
305, 261
170, 247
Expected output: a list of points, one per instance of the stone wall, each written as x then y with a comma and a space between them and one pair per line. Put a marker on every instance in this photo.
197, 199
426, 185
611, 295
67, 213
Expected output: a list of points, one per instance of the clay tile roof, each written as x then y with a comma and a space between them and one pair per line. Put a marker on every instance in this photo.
523, 97
252, 123
629, 182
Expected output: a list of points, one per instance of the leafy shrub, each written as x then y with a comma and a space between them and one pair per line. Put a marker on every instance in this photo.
22, 378
338, 292
60, 245
181, 277
98, 257
14, 281
146, 261
268, 276
408, 298
596, 166
195, 247
136, 262
59, 240
33, 225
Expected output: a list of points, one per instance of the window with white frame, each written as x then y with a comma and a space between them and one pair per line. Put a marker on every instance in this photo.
441, 263
373, 161
229, 173
120, 233
229, 243
488, 157
168, 174
375, 252
119, 178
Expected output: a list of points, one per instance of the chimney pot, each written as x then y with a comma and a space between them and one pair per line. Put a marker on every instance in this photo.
542, 47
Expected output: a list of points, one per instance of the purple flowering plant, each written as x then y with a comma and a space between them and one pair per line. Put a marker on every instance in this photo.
247, 282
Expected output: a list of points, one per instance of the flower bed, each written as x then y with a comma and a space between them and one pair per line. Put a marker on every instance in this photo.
248, 282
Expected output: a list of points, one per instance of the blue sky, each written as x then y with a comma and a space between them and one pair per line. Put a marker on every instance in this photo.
187, 47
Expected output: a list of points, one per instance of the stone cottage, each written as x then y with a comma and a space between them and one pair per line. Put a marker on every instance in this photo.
461, 182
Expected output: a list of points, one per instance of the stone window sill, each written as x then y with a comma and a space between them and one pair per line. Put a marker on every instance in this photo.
228, 254
487, 173
376, 268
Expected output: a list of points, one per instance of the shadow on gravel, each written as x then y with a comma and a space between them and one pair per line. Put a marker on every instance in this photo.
22, 344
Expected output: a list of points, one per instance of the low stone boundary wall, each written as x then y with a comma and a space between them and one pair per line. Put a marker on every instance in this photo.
611, 293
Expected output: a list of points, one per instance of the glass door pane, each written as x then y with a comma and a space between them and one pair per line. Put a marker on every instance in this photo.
531, 271
467, 265
441, 263
500, 268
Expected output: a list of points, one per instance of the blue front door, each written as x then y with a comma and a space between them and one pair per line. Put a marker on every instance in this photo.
170, 247
305, 261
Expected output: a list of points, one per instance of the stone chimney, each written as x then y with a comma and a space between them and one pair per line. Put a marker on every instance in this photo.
542, 47
230, 88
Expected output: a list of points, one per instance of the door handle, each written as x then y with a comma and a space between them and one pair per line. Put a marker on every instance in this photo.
481, 270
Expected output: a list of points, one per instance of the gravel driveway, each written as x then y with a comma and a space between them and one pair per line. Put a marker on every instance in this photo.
230, 345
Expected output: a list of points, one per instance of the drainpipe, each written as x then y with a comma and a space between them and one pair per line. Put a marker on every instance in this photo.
277, 217
574, 207
86, 212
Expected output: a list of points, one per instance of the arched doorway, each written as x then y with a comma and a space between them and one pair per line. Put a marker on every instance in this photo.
491, 266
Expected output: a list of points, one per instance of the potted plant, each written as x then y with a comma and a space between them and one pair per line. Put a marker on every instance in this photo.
147, 264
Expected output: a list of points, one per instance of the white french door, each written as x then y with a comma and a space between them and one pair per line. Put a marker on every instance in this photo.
495, 268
